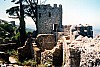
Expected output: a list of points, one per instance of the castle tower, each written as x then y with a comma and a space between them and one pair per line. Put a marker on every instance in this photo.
49, 18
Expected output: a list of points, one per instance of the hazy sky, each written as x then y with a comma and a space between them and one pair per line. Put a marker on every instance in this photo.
74, 11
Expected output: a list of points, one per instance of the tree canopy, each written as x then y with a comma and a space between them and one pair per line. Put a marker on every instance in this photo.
29, 7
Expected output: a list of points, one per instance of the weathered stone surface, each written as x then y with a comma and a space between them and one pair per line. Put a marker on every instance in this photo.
26, 52
58, 56
53, 57
84, 30
47, 17
74, 58
89, 50
46, 57
66, 29
45, 41
37, 54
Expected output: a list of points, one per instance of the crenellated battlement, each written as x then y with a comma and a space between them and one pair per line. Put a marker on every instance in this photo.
49, 6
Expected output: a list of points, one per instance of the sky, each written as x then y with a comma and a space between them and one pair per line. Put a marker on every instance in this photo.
74, 12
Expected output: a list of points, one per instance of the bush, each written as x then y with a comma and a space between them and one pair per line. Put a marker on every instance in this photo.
28, 63
13, 53
16, 37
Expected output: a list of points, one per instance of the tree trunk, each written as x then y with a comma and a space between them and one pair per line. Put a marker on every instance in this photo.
22, 25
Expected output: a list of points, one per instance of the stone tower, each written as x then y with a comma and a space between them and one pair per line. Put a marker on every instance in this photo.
49, 18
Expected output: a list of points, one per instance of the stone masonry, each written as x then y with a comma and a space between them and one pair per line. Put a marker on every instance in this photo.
87, 52
84, 30
49, 18
45, 41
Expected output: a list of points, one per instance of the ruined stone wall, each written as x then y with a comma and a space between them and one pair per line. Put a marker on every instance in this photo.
89, 50
46, 57
26, 52
47, 17
66, 29
74, 58
45, 41
84, 30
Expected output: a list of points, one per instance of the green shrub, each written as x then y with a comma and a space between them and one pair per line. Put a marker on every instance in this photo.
13, 53
27, 62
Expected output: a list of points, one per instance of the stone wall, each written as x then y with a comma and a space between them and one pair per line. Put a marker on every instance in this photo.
46, 57
89, 50
45, 41
84, 30
26, 52
48, 17
74, 58
66, 29
58, 56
